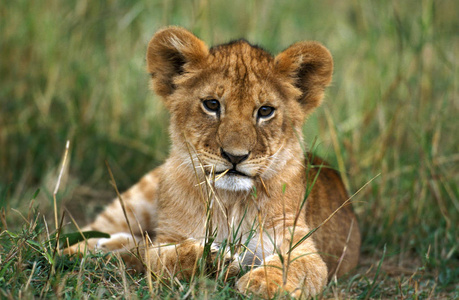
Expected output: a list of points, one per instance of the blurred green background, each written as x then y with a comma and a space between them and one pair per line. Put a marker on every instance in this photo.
75, 70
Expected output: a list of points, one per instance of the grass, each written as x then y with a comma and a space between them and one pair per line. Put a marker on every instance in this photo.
75, 70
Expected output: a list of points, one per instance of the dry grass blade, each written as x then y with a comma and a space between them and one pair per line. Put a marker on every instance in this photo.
211, 194
64, 160
31, 275
3, 220
344, 251
264, 186
260, 224
332, 214
221, 175
73, 221
188, 146
336, 147
123, 207
58, 225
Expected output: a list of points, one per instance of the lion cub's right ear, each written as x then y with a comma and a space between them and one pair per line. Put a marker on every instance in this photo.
169, 52
309, 66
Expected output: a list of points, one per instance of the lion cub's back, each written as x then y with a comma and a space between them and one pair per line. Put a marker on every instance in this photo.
328, 193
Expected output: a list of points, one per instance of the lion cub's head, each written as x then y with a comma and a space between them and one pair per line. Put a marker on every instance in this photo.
235, 107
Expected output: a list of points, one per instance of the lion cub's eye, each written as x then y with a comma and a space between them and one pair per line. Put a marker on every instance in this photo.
265, 112
211, 105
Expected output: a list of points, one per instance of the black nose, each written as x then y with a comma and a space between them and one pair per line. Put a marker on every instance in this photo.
234, 159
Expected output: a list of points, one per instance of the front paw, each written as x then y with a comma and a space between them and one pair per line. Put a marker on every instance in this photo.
120, 241
302, 280
176, 260
220, 260
184, 260
81, 248
265, 283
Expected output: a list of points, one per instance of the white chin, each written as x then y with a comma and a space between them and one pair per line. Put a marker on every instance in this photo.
234, 183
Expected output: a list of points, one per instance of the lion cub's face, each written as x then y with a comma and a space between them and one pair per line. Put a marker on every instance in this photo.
235, 108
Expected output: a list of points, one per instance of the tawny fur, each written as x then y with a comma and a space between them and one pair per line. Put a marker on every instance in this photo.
170, 203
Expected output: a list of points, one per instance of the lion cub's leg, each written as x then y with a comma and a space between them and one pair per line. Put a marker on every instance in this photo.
120, 241
82, 247
139, 209
181, 260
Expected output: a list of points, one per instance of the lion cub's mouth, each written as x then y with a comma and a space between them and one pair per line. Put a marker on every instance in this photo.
231, 172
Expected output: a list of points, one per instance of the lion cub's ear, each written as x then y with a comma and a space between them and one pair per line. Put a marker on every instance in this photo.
168, 52
309, 66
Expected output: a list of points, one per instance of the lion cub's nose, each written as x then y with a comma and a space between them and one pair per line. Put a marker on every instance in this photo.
234, 159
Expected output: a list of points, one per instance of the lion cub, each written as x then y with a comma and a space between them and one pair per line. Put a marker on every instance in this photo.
237, 167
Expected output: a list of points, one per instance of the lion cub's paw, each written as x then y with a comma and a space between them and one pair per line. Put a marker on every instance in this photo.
265, 284
124, 244
221, 258
116, 242
81, 248
178, 260
72, 250
269, 282
181, 260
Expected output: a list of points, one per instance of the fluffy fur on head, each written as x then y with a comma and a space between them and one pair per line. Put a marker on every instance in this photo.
243, 79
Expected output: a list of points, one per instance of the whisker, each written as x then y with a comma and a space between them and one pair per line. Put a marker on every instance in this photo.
277, 152
203, 166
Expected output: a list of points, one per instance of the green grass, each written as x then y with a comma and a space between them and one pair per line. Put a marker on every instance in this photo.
75, 70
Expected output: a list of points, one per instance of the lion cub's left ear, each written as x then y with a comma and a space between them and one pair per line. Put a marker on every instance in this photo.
169, 52
309, 66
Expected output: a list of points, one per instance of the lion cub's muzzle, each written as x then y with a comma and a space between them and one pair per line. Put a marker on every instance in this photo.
234, 160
